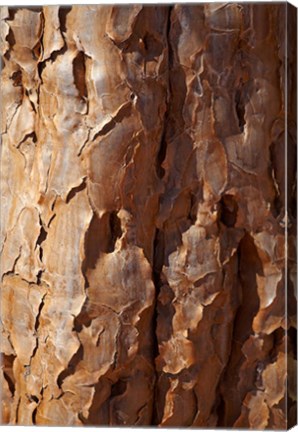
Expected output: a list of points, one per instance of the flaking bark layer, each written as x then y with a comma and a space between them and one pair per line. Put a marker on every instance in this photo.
148, 215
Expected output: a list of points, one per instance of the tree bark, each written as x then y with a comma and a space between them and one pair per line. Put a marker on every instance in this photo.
148, 215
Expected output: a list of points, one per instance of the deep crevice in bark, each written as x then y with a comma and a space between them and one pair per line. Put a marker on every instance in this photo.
115, 230
11, 39
83, 319
240, 107
41, 238
228, 210
156, 275
37, 50
10, 383
63, 12
37, 320
72, 193
162, 149
34, 413
26, 137
163, 141
92, 244
118, 388
17, 410
41, 65
7, 366
71, 368
158, 242
17, 78
249, 265
79, 74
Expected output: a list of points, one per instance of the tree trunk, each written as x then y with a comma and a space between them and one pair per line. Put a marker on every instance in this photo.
148, 215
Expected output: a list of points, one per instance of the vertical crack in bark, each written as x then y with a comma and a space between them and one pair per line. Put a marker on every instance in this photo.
91, 252
12, 270
10, 36
157, 268
158, 242
240, 107
221, 403
228, 210
249, 266
34, 413
63, 12
36, 327
41, 238
115, 230
79, 74
10, 39
7, 366
163, 141
17, 410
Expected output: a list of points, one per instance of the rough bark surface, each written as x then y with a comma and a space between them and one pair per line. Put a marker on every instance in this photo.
146, 205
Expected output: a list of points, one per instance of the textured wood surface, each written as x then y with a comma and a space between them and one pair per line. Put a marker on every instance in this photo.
146, 205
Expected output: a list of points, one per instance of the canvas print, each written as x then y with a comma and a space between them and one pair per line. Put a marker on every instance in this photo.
148, 215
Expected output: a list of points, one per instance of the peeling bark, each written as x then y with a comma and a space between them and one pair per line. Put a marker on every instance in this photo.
148, 215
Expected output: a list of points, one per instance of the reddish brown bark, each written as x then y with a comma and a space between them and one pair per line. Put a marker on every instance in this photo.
148, 215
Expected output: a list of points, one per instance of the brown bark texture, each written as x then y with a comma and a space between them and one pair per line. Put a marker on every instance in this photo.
148, 215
